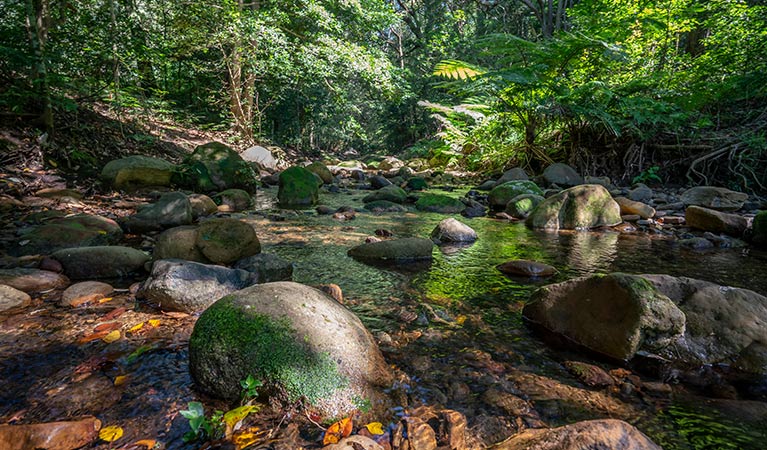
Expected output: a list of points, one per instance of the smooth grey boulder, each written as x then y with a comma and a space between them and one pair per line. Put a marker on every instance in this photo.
451, 230
267, 267
616, 314
562, 175
100, 262
580, 207
394, 250
712, 197
32, 280
12, 298
202, 205
261, 156
170, 210
187, 286
178, 243
298, 341
224, 241
514, 174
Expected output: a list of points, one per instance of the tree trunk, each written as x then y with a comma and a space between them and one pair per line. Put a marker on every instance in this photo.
37, 30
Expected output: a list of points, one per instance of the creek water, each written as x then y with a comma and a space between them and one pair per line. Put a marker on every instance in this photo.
455, 328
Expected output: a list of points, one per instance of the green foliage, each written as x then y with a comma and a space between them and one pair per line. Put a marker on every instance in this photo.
250, 387
202, 427
649, 175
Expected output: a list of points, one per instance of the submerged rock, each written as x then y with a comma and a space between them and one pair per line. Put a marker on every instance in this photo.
187, 286
527, 268
67, 435
267, 267
451, 230
616, 315
101, 262
85, 291
384, 206
389, 193
298, 341
591, 434
580, 207
440, 204
395, 250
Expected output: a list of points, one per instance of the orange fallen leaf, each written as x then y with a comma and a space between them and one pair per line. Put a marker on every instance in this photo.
110, 433
111, 337
120, 380
148, 443
108, 326
337, 431
115, 313
92, 337
154, 323
105, 299
136, 327
85, 299
246, 438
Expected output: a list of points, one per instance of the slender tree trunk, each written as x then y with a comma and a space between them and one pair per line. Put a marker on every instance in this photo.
37, 30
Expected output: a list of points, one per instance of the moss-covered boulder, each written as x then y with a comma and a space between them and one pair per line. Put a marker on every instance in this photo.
299, 342
384, 206
234, 200
390, 193
616, 314
580, 207
178, 243
522, 205
416, 183
298, 188
500, 195
202, 205
80, 230
137, 171
405, 249
224, 241
322, 171
759, 229
101, 262
216, 167
440, 204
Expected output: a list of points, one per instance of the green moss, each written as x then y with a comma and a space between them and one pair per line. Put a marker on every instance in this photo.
298, 187
266, 348
500, 195
439, 203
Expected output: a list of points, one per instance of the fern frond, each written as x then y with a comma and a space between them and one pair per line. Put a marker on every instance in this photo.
457, 70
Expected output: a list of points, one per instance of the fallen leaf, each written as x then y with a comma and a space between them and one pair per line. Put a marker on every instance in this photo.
110, 433
105, 299
460, 319
154, 323
248, 437
120, 380
136, 328
108, 326
231, 418
111, 337
337, 431
115, 313
85, 300
175, 314
92, 337
148, 443
138, 352
375, 428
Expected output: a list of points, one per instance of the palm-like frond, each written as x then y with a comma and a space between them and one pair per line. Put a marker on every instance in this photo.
457, 70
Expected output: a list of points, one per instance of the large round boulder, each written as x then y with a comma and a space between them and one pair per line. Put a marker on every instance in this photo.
12, 298
514, 174
439, 203
170, 210
451, 230
389, 193
404, 249
100, 262
322, 171
224, 241
176, 285
80, 230
178, 243
502, 193
137, 171
216, 167
580, 207
562, 175
202, 205
298, 187
234, 200
299, 342
616, 314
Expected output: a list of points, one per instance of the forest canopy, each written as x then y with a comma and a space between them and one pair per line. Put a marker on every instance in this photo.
613, 87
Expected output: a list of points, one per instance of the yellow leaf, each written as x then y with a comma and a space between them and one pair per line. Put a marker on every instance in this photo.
154, 322
233, 417
120, 380
375, 428
111, 337
53, 163
111, 433
105, 299
460, 319
136, 327
247, 438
